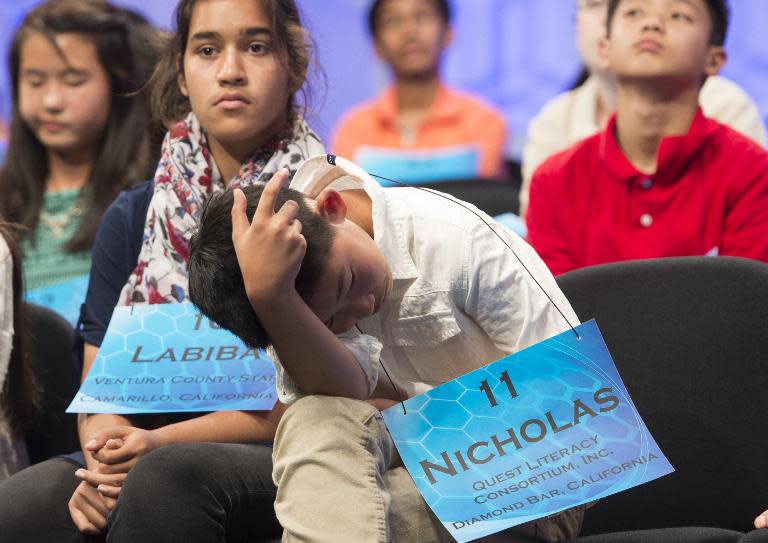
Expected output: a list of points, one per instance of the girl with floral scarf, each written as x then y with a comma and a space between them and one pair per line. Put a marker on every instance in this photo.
243, 127
230, 74
186, 176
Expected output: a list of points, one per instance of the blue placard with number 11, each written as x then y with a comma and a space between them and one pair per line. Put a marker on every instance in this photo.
537, 432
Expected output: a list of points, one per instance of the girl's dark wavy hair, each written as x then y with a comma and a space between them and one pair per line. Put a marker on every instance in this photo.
127, 48
295, 49
20, 395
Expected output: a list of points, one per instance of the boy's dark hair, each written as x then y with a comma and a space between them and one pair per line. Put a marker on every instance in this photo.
719, 13
215, 282
443, 8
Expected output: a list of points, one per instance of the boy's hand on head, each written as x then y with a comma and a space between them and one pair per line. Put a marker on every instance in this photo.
271, 248
270, 251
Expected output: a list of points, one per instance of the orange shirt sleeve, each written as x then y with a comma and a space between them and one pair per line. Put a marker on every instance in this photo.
493, 142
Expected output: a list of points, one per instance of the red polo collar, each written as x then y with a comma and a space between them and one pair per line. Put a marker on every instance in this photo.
675, 152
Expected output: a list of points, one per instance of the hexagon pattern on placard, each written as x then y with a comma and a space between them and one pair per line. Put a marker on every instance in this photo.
458, 416
163, 358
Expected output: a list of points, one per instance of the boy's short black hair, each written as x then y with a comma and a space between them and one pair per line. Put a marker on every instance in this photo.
215, 282
719, 13
443, 8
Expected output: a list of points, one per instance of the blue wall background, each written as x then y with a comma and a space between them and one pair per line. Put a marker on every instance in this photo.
516, 53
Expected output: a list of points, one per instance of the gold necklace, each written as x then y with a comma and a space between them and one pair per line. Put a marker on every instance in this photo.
57, 222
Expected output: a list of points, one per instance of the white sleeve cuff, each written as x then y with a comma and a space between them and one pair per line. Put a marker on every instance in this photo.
366, 349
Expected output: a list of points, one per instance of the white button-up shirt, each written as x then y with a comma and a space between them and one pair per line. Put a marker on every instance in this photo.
460, 298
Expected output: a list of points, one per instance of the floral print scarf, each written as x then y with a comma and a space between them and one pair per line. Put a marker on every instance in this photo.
186, 176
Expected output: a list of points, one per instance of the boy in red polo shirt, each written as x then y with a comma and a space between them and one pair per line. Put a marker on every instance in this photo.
661, 179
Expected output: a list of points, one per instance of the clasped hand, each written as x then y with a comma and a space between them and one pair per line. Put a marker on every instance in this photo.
116, 451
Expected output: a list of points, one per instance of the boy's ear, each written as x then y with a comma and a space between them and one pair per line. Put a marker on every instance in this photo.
716, 59
603, 45
180, 76
331, 206
381, 52
447, 36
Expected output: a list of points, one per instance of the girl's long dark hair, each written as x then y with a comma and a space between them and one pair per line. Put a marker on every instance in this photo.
128, 48
20, 395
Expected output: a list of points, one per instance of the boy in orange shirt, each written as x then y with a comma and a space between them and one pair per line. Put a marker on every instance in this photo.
419, 129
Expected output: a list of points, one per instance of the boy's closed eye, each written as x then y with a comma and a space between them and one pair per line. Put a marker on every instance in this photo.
343, 290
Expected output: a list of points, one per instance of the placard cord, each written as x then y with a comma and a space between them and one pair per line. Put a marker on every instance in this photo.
476, 214
479, 216
391, 382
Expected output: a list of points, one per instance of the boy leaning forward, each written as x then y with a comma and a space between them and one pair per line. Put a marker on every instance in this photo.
414, 285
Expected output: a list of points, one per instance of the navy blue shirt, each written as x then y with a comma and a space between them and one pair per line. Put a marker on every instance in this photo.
113, 257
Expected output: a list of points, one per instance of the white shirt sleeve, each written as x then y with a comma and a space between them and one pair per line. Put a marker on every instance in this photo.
366, 349
6, 309
503, 297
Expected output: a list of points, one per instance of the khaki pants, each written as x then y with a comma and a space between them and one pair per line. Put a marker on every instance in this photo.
339, 480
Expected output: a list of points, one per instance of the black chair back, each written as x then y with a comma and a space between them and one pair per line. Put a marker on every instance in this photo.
690, 340
492, 196
51, 351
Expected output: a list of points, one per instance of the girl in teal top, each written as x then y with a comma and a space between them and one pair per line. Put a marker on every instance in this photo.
79, 131
47, 260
